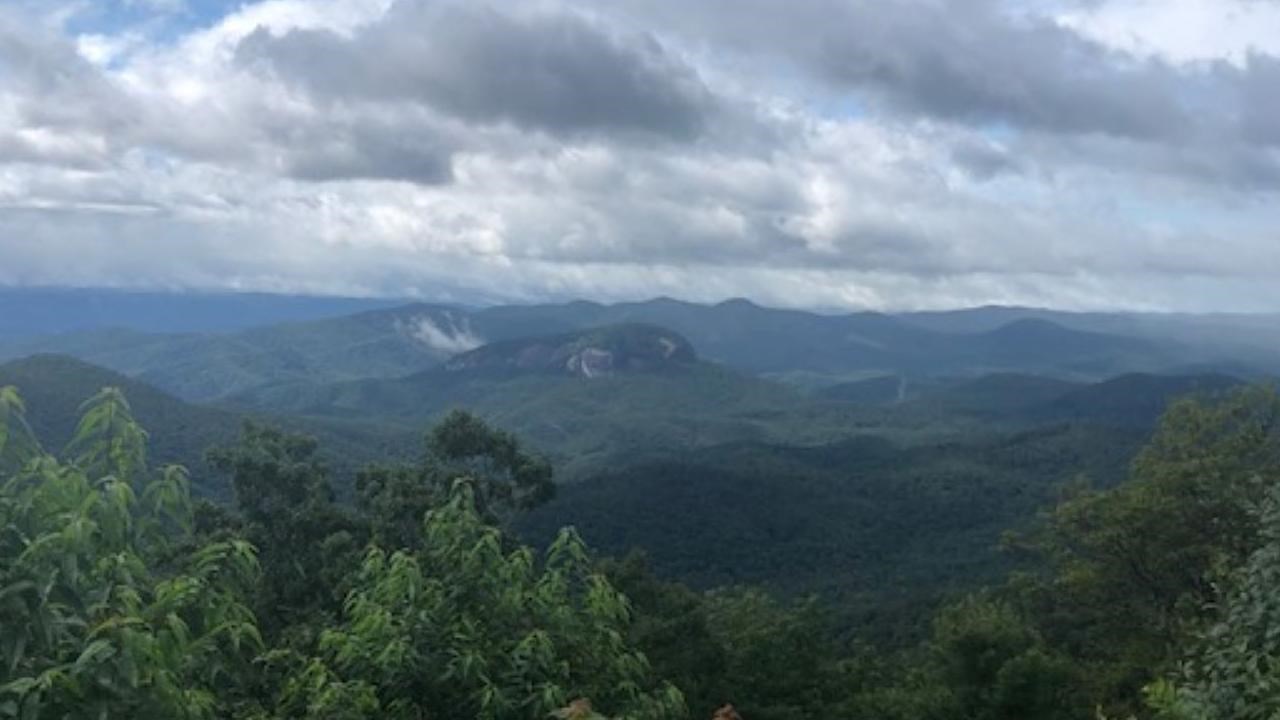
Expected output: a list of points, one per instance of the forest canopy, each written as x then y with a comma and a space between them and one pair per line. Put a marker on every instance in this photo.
123, 596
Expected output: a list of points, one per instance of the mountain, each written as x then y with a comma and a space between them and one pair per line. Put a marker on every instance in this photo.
786, 344
207, 366
1030, 344
864, 518
1133, 400
54, 387
1246, 342
30, 312
593, 353
997, 395
587, 397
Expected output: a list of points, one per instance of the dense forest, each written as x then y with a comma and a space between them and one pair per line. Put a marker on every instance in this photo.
121, 595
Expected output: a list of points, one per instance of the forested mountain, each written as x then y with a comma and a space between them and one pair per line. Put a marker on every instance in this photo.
988, 488
889, 528
581, 420
204, 366
798, 346
30, 312
55, 386
413, 598
1133, 400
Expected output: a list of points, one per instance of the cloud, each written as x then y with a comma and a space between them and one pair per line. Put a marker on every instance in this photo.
364, 148
54, 105
555, 72
834, 153
447, 335
999, 68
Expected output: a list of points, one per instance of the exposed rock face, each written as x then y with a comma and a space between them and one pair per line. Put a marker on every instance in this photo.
598, 352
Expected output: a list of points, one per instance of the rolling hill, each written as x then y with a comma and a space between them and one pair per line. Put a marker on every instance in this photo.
865, 518
584, 397
54, 387
787, 344
1134, 399
207, 366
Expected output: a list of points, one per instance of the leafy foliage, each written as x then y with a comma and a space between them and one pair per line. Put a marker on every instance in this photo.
1133, 568
1233, 672
469, 630
120, 597
91, 627
109, 607
17, 443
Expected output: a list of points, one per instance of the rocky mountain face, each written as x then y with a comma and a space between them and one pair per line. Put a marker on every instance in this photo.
597, 352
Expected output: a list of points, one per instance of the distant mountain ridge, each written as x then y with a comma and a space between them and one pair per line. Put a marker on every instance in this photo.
1131, 400
36, 311
786, 344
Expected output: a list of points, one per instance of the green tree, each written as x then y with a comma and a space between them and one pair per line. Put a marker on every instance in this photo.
17, 443
507, 479
1132, 569
671, 627
465, 629
995, 666
781, 659
505, 476
1233, 672
308, 544
92, 623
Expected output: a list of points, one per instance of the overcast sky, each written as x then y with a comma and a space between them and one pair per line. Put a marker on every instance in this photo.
819, 153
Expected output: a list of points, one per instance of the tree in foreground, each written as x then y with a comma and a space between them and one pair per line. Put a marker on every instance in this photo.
1233, 670
468, 629
1125, 578
102, 613
110, 606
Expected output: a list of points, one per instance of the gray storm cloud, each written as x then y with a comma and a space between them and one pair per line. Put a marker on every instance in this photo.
554, 72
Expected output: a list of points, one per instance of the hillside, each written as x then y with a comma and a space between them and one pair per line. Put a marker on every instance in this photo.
865, 518
1134, 399
54, 387
790, 344
595, 353
998, 396
653, 395
207, 366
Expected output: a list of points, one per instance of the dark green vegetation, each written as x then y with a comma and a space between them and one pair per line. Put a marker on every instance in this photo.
121, 597
896, 533
888, 529
121, 600
180, 432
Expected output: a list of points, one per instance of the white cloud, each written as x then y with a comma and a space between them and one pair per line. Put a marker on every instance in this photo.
446, 335
127, 158
1183, 30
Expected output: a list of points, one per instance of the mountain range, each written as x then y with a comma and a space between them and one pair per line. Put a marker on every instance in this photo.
869, 455
804, 348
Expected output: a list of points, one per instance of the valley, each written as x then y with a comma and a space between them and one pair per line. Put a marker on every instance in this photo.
657, 429
890, 468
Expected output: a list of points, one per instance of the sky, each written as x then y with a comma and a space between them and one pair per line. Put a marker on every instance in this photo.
835, 154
